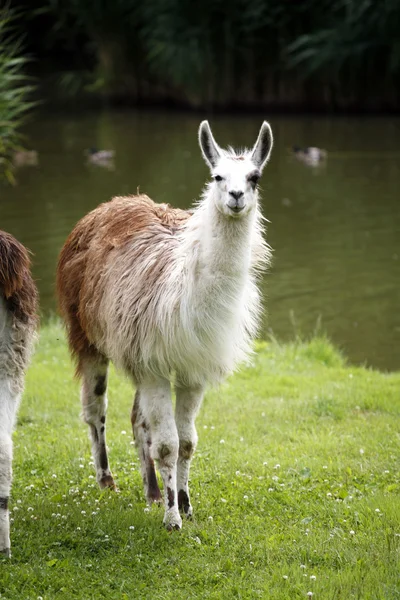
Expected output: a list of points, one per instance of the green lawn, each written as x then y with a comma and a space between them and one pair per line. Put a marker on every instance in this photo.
295, 487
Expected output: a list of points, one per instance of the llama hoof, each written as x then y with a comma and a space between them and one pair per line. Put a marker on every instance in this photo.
108, 482
154, 498
172, 521
5, 552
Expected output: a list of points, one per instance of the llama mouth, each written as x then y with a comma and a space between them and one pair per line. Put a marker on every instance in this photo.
236, 210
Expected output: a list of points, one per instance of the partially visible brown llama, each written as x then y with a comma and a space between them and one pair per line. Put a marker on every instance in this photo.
166, 294
18, 320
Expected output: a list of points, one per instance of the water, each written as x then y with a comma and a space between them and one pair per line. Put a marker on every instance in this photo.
335, 230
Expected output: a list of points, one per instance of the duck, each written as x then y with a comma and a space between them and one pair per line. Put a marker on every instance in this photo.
103, 158
310, 155
25, 158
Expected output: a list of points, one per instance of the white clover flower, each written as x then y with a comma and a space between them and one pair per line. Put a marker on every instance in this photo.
352, 532
285, 576
245, 497
123, 432
30, 508
278, 466
361, 451
313, 577
310, 594
210, 518
222, 441
131, 527
223, 500
303, 567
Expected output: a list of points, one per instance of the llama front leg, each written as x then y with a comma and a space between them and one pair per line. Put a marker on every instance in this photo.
157, 410
94, 405
9, 401
188, 401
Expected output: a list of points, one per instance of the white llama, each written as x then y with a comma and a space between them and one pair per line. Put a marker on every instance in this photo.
166, 294
18, 305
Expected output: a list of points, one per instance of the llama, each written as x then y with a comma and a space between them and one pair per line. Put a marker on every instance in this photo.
18, 309
166, 294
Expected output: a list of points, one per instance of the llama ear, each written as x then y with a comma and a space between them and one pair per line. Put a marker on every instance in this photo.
209, 147
263, 146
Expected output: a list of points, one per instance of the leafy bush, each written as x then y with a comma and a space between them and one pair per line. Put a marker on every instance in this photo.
14, 93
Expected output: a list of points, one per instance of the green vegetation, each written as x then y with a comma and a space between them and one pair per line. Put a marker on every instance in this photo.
14, 93
314, 53
295, 485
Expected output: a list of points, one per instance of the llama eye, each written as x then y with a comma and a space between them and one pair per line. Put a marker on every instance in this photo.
254, 179
218, 178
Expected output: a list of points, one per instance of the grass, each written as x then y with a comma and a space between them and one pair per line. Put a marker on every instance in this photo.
296, 488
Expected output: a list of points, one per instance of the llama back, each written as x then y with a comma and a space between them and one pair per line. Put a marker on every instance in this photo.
94, 249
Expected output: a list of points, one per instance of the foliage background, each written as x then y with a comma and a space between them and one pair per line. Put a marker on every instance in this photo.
336, 55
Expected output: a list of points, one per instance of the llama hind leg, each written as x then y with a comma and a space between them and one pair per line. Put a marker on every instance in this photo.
156, 404
141, 433
9, 401
94, 372
188, 401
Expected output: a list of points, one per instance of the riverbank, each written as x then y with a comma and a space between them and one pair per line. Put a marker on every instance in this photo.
295, 487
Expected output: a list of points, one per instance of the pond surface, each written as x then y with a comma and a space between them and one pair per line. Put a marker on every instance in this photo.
335, 230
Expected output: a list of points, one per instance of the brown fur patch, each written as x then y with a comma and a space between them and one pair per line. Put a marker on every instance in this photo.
171, 497
153, 491
183, 501
110, 226
16, 281
4, 503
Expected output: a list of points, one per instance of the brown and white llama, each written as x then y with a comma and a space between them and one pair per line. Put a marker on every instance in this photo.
18, 309
166, 294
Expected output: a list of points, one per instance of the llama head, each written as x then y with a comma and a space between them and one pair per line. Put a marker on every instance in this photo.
235, 176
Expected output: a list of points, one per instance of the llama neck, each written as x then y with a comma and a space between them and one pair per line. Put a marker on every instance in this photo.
219, 248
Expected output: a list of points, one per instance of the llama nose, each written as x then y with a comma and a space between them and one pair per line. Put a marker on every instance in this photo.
236, 194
